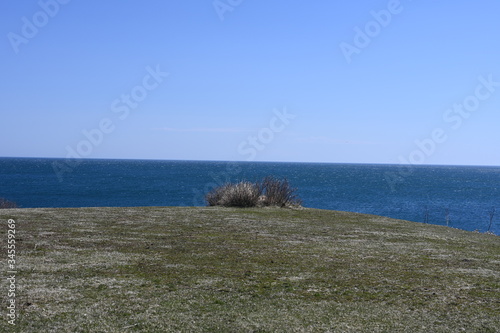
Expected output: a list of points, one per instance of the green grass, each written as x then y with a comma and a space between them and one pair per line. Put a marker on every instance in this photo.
187, 269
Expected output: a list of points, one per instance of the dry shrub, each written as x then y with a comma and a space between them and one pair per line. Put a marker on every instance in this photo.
243, 194
269, 192
5, 204
278, 192
214, 197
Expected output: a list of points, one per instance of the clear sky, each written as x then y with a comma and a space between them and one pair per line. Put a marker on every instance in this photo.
313, 81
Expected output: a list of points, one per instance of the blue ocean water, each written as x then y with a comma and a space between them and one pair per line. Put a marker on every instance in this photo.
460, 196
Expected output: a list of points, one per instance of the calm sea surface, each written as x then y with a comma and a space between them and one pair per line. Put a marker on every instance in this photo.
464, 196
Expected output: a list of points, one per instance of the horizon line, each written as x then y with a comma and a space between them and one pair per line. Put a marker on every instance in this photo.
243, 161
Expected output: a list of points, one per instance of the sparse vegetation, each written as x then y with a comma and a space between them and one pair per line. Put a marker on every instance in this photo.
242, 194
271, 191
6, 204
278, 192
492, 215
214, 269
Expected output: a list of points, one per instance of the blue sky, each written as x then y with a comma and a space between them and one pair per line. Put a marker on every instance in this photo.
323, 81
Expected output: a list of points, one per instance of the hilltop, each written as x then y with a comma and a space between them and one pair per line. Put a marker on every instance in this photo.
211, 269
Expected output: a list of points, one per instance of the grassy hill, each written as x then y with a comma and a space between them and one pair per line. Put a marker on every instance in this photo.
184, 269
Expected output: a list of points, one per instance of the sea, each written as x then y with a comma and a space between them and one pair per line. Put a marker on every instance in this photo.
463, 197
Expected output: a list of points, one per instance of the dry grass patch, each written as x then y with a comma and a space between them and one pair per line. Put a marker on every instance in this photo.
213, 269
